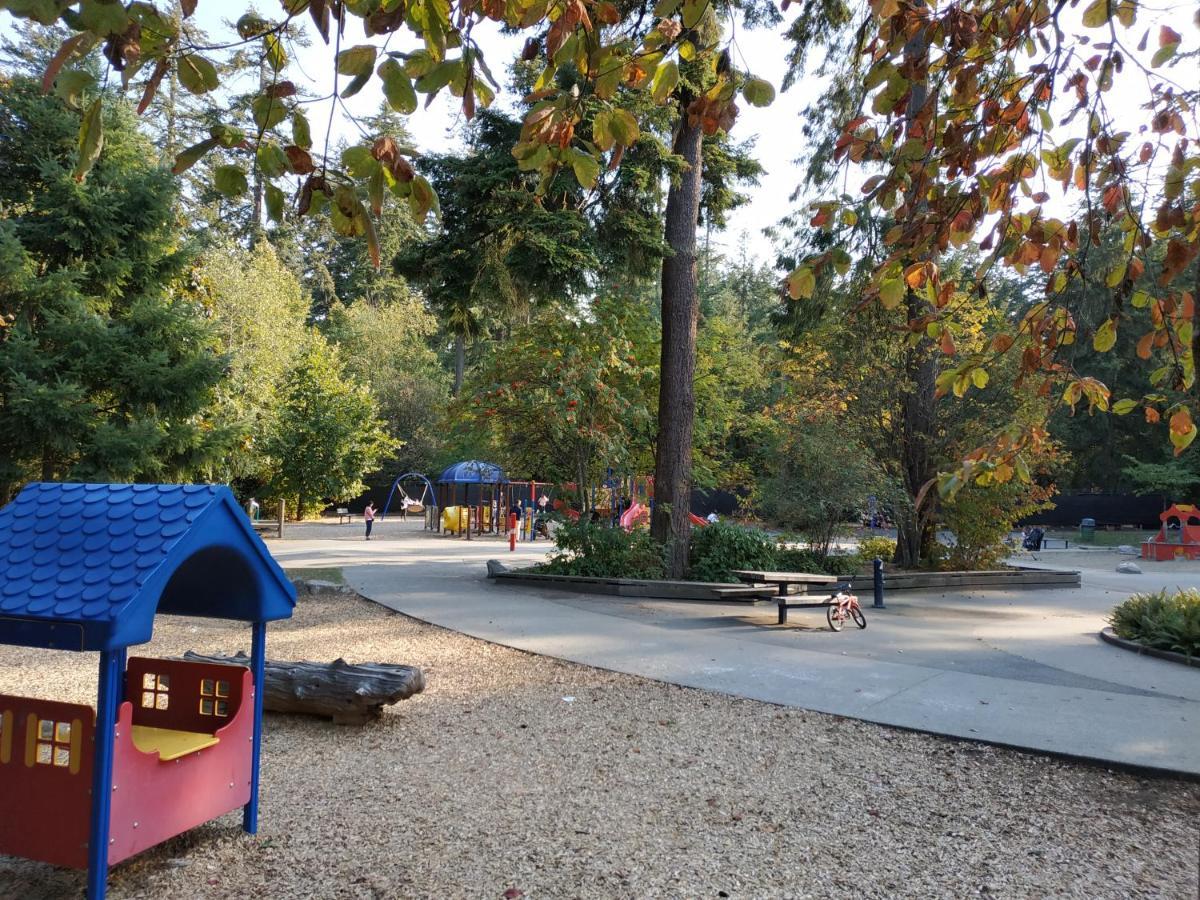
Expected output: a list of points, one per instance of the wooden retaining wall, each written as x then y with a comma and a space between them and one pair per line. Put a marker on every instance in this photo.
1003, 579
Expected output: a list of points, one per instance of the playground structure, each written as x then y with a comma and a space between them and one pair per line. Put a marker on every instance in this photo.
1181, 541
474, 497
171, 744
427, 506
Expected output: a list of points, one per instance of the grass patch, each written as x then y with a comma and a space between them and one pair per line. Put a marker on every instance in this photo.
1101, 538
332, 574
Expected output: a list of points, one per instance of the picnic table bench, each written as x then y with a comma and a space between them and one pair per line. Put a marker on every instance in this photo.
783, 581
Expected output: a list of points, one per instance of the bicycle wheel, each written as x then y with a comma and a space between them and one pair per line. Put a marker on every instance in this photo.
835, 617
859, 619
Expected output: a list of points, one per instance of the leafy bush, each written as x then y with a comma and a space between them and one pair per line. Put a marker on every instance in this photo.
789, 559
601, 552
876, 548
821, 480
981, 517
1161, 620
718, 549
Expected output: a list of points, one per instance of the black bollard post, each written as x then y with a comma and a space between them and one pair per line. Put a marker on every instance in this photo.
878, 604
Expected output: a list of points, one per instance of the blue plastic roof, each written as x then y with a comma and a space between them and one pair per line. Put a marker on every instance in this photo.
473, 472
87, 566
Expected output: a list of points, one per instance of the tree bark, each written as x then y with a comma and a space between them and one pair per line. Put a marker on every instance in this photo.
349, 694
676, 391
915, 525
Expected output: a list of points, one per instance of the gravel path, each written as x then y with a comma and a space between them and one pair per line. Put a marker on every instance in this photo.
519, 773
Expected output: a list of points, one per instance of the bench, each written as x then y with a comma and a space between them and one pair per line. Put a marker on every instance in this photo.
783, 581
343, 513
747, 591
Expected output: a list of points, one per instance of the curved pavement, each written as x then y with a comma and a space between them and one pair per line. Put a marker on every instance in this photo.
1024, 669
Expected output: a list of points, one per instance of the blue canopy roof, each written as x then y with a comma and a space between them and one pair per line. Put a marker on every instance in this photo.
473, 472
87, 566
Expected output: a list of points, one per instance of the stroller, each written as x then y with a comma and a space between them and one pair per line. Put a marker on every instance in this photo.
1033, 539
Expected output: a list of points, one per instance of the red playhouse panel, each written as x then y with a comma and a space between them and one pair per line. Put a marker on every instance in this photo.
1172, 543
46, 752
167, 791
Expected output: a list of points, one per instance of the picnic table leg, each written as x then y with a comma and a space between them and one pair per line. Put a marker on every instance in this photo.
782, 604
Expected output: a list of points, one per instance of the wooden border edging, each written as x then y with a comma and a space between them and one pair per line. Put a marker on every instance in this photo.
1109, 636
635, 587
1021, 579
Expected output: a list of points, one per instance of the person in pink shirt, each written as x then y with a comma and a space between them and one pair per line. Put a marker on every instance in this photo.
369, 518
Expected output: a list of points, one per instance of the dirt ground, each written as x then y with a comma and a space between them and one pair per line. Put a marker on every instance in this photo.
516, 775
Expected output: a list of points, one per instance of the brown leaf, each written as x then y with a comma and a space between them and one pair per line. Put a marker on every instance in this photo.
187, 7
156, 77
319, 11
69, 46
280, 89
299, 159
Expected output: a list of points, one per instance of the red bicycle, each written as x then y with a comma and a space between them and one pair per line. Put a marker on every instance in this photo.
842, 606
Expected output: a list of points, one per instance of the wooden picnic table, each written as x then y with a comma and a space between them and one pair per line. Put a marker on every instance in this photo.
783, 580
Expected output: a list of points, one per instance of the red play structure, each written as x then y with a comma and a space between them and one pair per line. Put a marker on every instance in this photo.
1172, 543
183, 755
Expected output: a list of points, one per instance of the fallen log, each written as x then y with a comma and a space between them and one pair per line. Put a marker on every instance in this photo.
350, 693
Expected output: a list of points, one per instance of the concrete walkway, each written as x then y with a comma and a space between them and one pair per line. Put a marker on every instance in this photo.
1024, 669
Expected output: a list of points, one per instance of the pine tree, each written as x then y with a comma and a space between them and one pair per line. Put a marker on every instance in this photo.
106, 366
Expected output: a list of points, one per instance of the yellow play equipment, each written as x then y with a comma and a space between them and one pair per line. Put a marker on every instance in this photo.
456, 519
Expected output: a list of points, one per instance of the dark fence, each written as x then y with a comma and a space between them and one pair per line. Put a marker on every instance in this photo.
1109, 511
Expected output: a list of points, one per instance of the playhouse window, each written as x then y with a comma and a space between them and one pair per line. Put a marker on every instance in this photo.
213, 698
53, 743
155, 691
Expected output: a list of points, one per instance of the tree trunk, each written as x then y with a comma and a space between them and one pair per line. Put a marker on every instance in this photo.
915, 525
460, 363
676, 391
349, 694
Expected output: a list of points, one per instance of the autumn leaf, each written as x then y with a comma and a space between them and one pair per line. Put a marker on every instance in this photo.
1182, 429
801, 283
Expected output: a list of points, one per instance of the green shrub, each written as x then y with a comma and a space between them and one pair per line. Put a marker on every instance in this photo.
876, 548
1161, 620
602, 552
788, 559
718, 549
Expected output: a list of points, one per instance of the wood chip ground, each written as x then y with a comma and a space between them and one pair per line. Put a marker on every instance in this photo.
520, 774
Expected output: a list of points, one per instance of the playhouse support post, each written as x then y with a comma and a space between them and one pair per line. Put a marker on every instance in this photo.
258, 660
102, 766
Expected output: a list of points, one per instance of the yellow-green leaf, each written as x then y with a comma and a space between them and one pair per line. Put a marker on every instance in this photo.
301, 133
268, 112
801, 283
189, 157
665, 81
357, 60
1098, 12
586, 168
1105, 337
1124, 407
397, 87
758, 92
91, 139
624, 127
891, 292
230, 181
197, 74
275, 200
